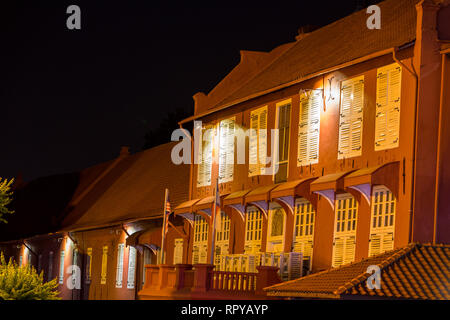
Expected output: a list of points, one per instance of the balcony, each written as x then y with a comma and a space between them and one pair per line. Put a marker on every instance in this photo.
201, 281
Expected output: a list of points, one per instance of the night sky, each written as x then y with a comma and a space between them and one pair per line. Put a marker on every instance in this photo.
71, 98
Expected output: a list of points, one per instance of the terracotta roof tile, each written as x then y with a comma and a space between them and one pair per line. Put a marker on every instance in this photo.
417, 271
342, 41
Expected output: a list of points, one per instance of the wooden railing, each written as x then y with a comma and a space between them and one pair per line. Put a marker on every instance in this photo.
200, 281
233, 281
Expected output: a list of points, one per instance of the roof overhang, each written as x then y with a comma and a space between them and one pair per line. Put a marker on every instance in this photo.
260, 197
328, 185
362, 180
286, 193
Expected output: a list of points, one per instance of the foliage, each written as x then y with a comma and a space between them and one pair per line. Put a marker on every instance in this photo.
24, 283
5, 198
163, 133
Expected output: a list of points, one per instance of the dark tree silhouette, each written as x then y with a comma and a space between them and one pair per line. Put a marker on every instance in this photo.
168, 124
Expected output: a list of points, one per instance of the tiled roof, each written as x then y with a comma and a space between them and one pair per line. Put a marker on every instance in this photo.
132, 190
417, 271
342, 41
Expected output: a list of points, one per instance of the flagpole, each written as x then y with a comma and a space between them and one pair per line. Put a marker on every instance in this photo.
213, 216
163, 229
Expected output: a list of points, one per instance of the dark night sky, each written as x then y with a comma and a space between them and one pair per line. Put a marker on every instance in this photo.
69, 99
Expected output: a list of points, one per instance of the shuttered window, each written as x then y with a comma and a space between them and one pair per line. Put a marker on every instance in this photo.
50, 266
387, 121
222, 237
304, 227
131, 267
61, 267
178, 251
104, 265
257, 141
205, 157
382, 221
119, 267
253, 230
284, 119
345, 230
200, 247
351, 118
226, 150
309, 128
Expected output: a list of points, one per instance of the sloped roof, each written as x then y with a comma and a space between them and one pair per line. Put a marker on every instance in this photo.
133, 190
417, 271
342, 41
39, 203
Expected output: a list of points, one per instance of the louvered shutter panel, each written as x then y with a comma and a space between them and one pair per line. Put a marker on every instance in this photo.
104, 265
357, 117
253, 144
351, 118
338, 251
262, 139
119, 272
388, 241
393, 124
230, 151
223, 131
131, 267
350, 244
374, 244
345, 120
200, 166
387, 123
61, 267
295, 265
381, 110
314, 128
303, 130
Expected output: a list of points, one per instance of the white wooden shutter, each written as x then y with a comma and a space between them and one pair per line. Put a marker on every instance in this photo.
257, 141
226, 150
351, 118
387, 124
131, 267
178, 251
119, 269
295, 265
349, 249
375, 244
309, 129
61, 267
338, 251
205, 158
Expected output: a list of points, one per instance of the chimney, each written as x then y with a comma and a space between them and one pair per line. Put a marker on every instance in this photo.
305, 31
124, 151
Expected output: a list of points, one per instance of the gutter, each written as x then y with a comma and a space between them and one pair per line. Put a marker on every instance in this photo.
288, 84
414, 148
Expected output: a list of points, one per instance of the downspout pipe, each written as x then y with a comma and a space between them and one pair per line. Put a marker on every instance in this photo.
414, 147
438, 156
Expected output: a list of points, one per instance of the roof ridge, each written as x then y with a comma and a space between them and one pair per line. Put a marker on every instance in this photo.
396, 255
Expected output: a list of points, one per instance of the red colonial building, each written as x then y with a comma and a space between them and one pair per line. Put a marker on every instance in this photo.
360, 116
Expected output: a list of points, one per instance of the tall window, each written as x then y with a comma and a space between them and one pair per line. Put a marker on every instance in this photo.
205, 157
275, 234
226, 150
253, 230
309, 128
257, 141
50, 266
387, 123
104, 265
119, 267
200, 240
382, 221
222, 236
304, 228
351, 118
284, 115
345, 230
131, 267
